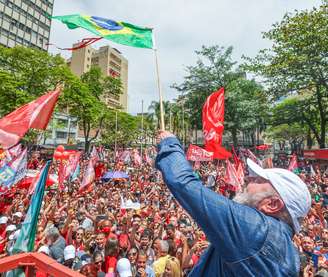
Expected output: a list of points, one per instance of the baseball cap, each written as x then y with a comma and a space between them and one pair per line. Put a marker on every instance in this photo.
15, 235
18, 214
292, 190
69, 252
44, 249
3, 220
11, 228
123, 268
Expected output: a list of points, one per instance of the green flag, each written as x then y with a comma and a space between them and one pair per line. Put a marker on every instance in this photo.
26, 238
117, 31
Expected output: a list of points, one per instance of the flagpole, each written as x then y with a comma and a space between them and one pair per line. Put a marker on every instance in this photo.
115, 133
159, 86
142, 127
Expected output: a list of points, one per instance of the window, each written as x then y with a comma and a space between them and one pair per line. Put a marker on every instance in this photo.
61, 135
62, 123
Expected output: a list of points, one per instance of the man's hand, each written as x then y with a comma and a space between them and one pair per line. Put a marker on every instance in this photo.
163, 135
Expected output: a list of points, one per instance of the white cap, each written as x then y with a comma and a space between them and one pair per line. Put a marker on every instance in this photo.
11, 228
3, 220
44, 249
69, 252
123, 268
15, 235
18, 214
292, 190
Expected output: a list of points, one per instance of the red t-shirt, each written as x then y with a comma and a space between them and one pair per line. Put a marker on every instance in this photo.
110, 262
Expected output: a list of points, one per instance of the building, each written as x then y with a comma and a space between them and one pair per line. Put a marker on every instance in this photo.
25, 22
63, 129
112, 63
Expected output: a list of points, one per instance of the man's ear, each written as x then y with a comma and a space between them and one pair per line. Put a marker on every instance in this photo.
271, 206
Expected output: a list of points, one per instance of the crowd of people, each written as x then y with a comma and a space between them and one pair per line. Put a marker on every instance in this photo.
135, 227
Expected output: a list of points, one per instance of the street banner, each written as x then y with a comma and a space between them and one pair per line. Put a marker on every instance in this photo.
35, 114
196, 153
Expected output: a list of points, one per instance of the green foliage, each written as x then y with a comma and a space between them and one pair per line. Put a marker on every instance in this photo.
297, 64
245, 103
27, 73
128, 129
86, 97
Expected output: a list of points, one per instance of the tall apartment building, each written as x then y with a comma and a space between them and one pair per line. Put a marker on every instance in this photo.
25, 22
112, 63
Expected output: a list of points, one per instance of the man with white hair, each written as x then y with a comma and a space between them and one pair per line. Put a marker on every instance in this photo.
249, 238
160, 263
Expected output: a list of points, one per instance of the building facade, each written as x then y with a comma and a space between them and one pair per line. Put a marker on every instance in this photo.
25, 22
112, 63
62, 129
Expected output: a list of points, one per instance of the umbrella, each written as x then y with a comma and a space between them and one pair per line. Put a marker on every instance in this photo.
115, 175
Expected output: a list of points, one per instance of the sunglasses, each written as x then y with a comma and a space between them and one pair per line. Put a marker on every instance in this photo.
99, 263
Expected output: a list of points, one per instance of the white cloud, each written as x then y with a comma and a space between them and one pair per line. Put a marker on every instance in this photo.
182, 26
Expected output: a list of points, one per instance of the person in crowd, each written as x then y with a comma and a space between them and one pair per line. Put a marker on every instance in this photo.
91, 231
240, 231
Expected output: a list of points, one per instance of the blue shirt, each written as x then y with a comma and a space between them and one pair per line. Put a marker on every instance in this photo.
243, 241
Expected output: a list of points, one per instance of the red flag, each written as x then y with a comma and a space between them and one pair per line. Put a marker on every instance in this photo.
267, 163
235, 157
251, 155
213, 118
293, 163
197, 154
240, 174
231, 177
136, 157
35, 114
148, 160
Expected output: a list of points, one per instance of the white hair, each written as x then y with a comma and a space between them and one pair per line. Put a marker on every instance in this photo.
164, 246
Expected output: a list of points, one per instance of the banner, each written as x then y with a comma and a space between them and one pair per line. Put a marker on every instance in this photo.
89, 174
196, 153
19, 166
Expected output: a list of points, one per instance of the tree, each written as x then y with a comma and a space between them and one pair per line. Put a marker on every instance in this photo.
297, 63
86, 97
128, 130
27, 73
296, 112
245, 103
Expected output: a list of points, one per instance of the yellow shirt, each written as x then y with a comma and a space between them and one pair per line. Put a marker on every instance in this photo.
159, 265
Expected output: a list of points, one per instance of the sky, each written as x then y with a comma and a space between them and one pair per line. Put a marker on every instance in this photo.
181, 27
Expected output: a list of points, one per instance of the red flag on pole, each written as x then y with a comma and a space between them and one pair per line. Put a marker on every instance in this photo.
213, 118
35, 114
240, 173
231, 177
293, 163
235, 157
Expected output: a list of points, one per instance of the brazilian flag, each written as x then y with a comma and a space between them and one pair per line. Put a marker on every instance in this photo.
117, 31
